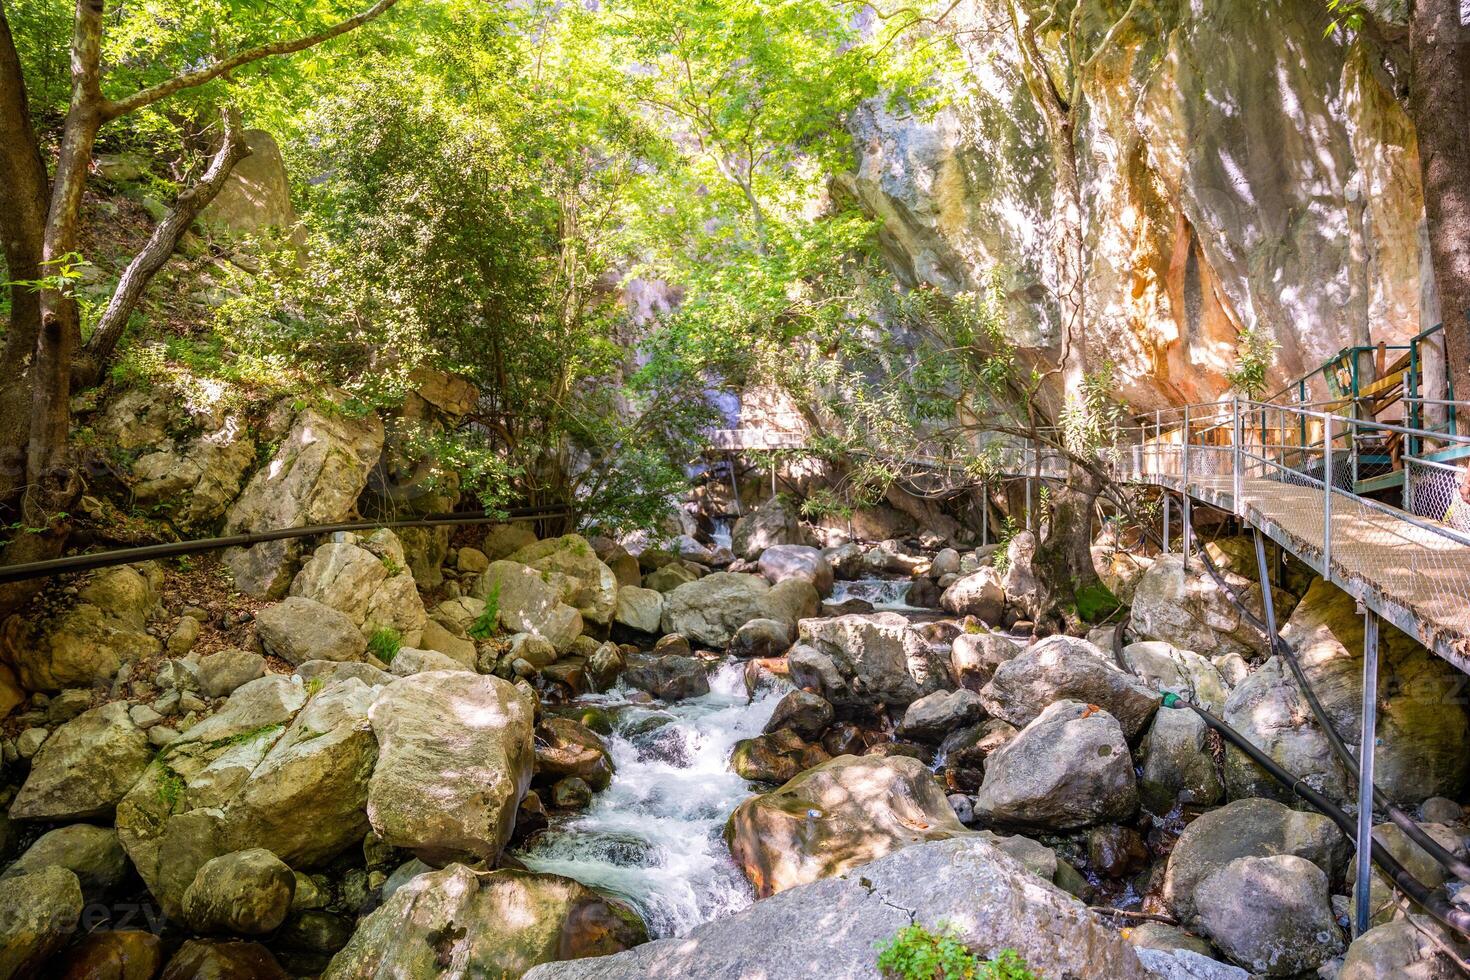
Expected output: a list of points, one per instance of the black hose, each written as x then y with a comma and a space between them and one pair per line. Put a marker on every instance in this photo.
125, 556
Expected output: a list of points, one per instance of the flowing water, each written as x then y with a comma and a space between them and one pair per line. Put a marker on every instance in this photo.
721, 534
883, 593
654, 837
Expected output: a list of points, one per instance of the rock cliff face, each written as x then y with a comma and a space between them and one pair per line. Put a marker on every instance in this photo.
1239, 169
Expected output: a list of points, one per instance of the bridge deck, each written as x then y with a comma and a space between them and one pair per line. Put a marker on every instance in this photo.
1413, 577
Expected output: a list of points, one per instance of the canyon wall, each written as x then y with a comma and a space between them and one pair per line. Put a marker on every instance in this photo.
1239, 168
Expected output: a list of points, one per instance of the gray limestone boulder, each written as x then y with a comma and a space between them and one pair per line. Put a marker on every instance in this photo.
85, 768
1067, 668
1271, 914
298, 629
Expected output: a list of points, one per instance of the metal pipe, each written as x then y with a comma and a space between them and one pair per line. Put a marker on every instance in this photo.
1363, 884
984, 515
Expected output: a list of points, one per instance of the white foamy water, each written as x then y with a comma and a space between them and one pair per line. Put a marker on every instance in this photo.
654, 837
883, 593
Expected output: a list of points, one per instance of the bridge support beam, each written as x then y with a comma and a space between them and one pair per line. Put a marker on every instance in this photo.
1168, 499
1369, 724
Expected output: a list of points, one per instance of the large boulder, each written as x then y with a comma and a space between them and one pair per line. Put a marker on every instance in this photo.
1382, 897
975, 657
85, 767
934, 716
776, 757
87, 643
1062, 668
837, 816
1423, 726
1068, 768
315, 477
454, 759
581, 579
504, 540
459, 924
256, 197
1408, 949
639, 610
247, 892
565, 747
668, 677
1269, 710
1247, 828
783, 561
1191, 612
979, 594
367, 579
774, 522
1270, 914
275, 767
526, 603
1181, 672
805, 713
38, 914
298, 629
833, 927
93, 854
762, 638
860, 661
709, 610
1178, 765
218, 959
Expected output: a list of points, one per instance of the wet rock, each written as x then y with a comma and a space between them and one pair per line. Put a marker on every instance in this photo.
566, 748
93, 854
1065, 667
298, 629
571, 793
978, 594
1270, 914
669, 677
368, 580
204, 959
605, 666
975, 657
776, 757
38, 914
1068, 768
454, 758
220, 673
527, 604
245, 892
846, 560
858, 662
774, 522
805, 713
1247, 828
315, 477
762, 638
835, 817
457, 923
121, 954
934, 716
639, 610
784, 561
991, 900
1116, 852
85, 767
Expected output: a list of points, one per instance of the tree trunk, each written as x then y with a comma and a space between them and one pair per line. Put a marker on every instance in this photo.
1439, 98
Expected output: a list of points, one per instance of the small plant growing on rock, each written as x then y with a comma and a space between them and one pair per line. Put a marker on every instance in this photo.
486, 623
385, 643
915, 953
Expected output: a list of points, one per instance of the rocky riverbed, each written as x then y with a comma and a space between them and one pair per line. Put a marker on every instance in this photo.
693, 761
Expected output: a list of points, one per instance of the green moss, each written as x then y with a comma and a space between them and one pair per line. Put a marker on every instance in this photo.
245, 737
1096, 603
385, 643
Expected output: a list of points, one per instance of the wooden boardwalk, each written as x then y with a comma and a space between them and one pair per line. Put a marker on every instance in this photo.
1415, 578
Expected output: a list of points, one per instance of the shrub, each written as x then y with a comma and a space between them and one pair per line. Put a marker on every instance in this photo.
487, 623
385, 643
915, 953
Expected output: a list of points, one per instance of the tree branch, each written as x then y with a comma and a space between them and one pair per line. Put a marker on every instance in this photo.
199, 76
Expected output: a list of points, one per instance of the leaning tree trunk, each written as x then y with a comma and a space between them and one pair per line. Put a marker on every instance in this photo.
1439, 98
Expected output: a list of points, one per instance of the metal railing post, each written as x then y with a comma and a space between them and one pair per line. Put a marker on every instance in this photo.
1236, 434
1327, 495
1369, 722
1186, 530
985, 515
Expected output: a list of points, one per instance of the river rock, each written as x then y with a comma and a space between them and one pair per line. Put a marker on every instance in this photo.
298, 629
934, 716
223, 671
567, 748
1182, 672
774, 522
783, 561
38, 914
1247, 828
805, 713
991, 901
640, 610
762, 639
975, 657
1423, 725
459, 924
245, 892
315, 477
776, 757
410, 661
273, 768
1398, 949
526, 604
93, 854
1066, 667
978, 594
112, 954
1381, 896
582, 581
1187, 964
965, 750
605, 666
1269, 710
454, 758
87, 643
668, 677
709, 610
1178, 765
368, 580
1191, 612
667, 578
504, 540
1270, 914
1068, 768
85, 767
209, 959
859, 661
836, 816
